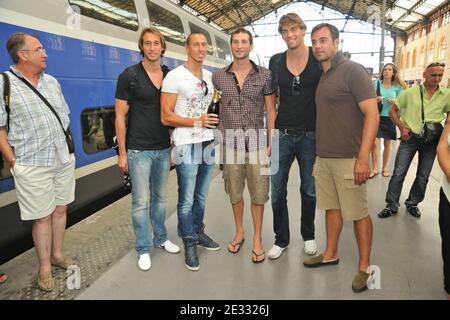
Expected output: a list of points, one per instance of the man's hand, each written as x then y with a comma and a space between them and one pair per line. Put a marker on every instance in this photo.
406, 133
362, 171
209, 120
123, 163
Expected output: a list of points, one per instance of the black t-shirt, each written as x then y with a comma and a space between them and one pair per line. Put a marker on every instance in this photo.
296, 111
145, 130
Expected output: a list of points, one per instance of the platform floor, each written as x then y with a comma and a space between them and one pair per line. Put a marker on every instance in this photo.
406, 249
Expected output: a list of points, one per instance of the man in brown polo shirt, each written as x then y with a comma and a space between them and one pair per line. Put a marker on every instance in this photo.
347, 123
246, 89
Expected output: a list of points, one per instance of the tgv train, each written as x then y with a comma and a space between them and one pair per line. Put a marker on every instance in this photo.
89, 43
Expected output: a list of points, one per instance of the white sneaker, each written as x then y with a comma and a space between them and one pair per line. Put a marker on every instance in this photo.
144, 262
170, 247
310, 247
275, 252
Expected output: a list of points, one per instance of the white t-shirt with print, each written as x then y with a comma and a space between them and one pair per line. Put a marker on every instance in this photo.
191, 102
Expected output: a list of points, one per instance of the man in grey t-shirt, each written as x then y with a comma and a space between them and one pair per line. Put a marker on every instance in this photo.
347, 123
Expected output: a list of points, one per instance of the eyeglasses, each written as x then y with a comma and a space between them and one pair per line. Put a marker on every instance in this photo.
204, 87
436, 64
296, 86
38, 50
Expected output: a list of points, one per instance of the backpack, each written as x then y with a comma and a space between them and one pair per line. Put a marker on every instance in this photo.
6, 96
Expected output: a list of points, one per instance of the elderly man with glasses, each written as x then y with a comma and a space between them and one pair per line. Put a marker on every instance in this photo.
33, 142
187, 92
414, 110
296, 73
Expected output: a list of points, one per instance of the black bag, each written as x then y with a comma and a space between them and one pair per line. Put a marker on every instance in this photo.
380, 104
67, 133
431, 131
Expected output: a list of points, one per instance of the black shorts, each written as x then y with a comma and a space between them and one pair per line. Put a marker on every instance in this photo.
387, 129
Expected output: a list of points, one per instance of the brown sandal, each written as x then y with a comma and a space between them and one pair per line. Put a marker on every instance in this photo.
234, 245
258, 255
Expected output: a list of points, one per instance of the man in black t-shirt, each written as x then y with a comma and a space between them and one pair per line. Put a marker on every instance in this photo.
297, 74
148, 142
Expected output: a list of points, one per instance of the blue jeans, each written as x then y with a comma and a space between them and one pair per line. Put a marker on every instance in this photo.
405, 154
303, 148
194, 178
149, 171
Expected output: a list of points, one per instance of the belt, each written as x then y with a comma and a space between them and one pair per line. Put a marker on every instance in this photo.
294, 131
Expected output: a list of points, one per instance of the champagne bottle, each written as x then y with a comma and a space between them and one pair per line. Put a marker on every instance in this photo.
214, 105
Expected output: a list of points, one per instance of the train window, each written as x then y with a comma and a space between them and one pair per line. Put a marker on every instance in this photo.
121, 13
196, 28
167, 22
223, 49
97, 127
4, 168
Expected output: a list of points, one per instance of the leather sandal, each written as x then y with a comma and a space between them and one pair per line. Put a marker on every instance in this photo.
256, 255
234, 245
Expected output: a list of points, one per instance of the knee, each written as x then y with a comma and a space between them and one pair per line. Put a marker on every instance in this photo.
140, 202
60, 211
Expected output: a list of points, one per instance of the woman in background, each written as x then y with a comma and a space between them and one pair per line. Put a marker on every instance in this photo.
390, 85
443, 155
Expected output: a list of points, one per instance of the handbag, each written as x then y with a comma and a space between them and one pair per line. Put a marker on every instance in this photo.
431, 131
380, 104
67, 133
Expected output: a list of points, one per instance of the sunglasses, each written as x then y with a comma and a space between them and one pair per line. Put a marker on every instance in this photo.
296, 86
204, 87
436, 64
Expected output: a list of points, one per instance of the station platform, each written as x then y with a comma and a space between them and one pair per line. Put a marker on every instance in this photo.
407, 251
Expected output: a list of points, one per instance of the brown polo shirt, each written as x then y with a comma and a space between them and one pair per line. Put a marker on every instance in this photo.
339, 118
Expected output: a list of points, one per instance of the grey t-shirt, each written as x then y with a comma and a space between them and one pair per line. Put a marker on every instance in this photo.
339, 118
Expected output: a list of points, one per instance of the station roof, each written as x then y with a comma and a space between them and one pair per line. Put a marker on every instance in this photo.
230, 14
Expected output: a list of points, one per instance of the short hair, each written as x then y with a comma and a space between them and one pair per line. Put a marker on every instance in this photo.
156, 33
435, 64
188, 39
291, 18
333, 30
242, 30
16, 43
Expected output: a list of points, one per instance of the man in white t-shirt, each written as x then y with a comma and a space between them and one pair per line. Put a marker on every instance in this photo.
186, 94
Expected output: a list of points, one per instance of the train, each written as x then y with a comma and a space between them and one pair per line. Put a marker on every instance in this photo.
89, 43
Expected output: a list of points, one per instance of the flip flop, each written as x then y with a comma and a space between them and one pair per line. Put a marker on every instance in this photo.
373, 174
258, 255
234, 245
385, 173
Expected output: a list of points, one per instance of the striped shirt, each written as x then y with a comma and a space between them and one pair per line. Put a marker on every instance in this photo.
35, 133
243, 109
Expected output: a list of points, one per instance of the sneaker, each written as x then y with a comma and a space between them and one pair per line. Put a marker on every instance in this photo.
206, 242
414, 211
386, 212
144, 262
275, 252
190, 254
45, 281
170, 247
310, 247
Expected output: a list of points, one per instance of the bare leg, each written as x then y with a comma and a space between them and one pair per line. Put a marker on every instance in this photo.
386, 153
257, 214
375, 158
42, 238
334, 226
59, 218
238, 211
363, 232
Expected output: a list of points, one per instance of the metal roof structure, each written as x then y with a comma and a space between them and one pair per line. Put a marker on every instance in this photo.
230, 14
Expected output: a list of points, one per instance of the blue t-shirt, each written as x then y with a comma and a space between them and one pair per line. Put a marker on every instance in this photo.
389, 93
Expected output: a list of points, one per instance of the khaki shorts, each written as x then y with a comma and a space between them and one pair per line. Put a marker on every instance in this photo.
234, 176
336, 189
40, 189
